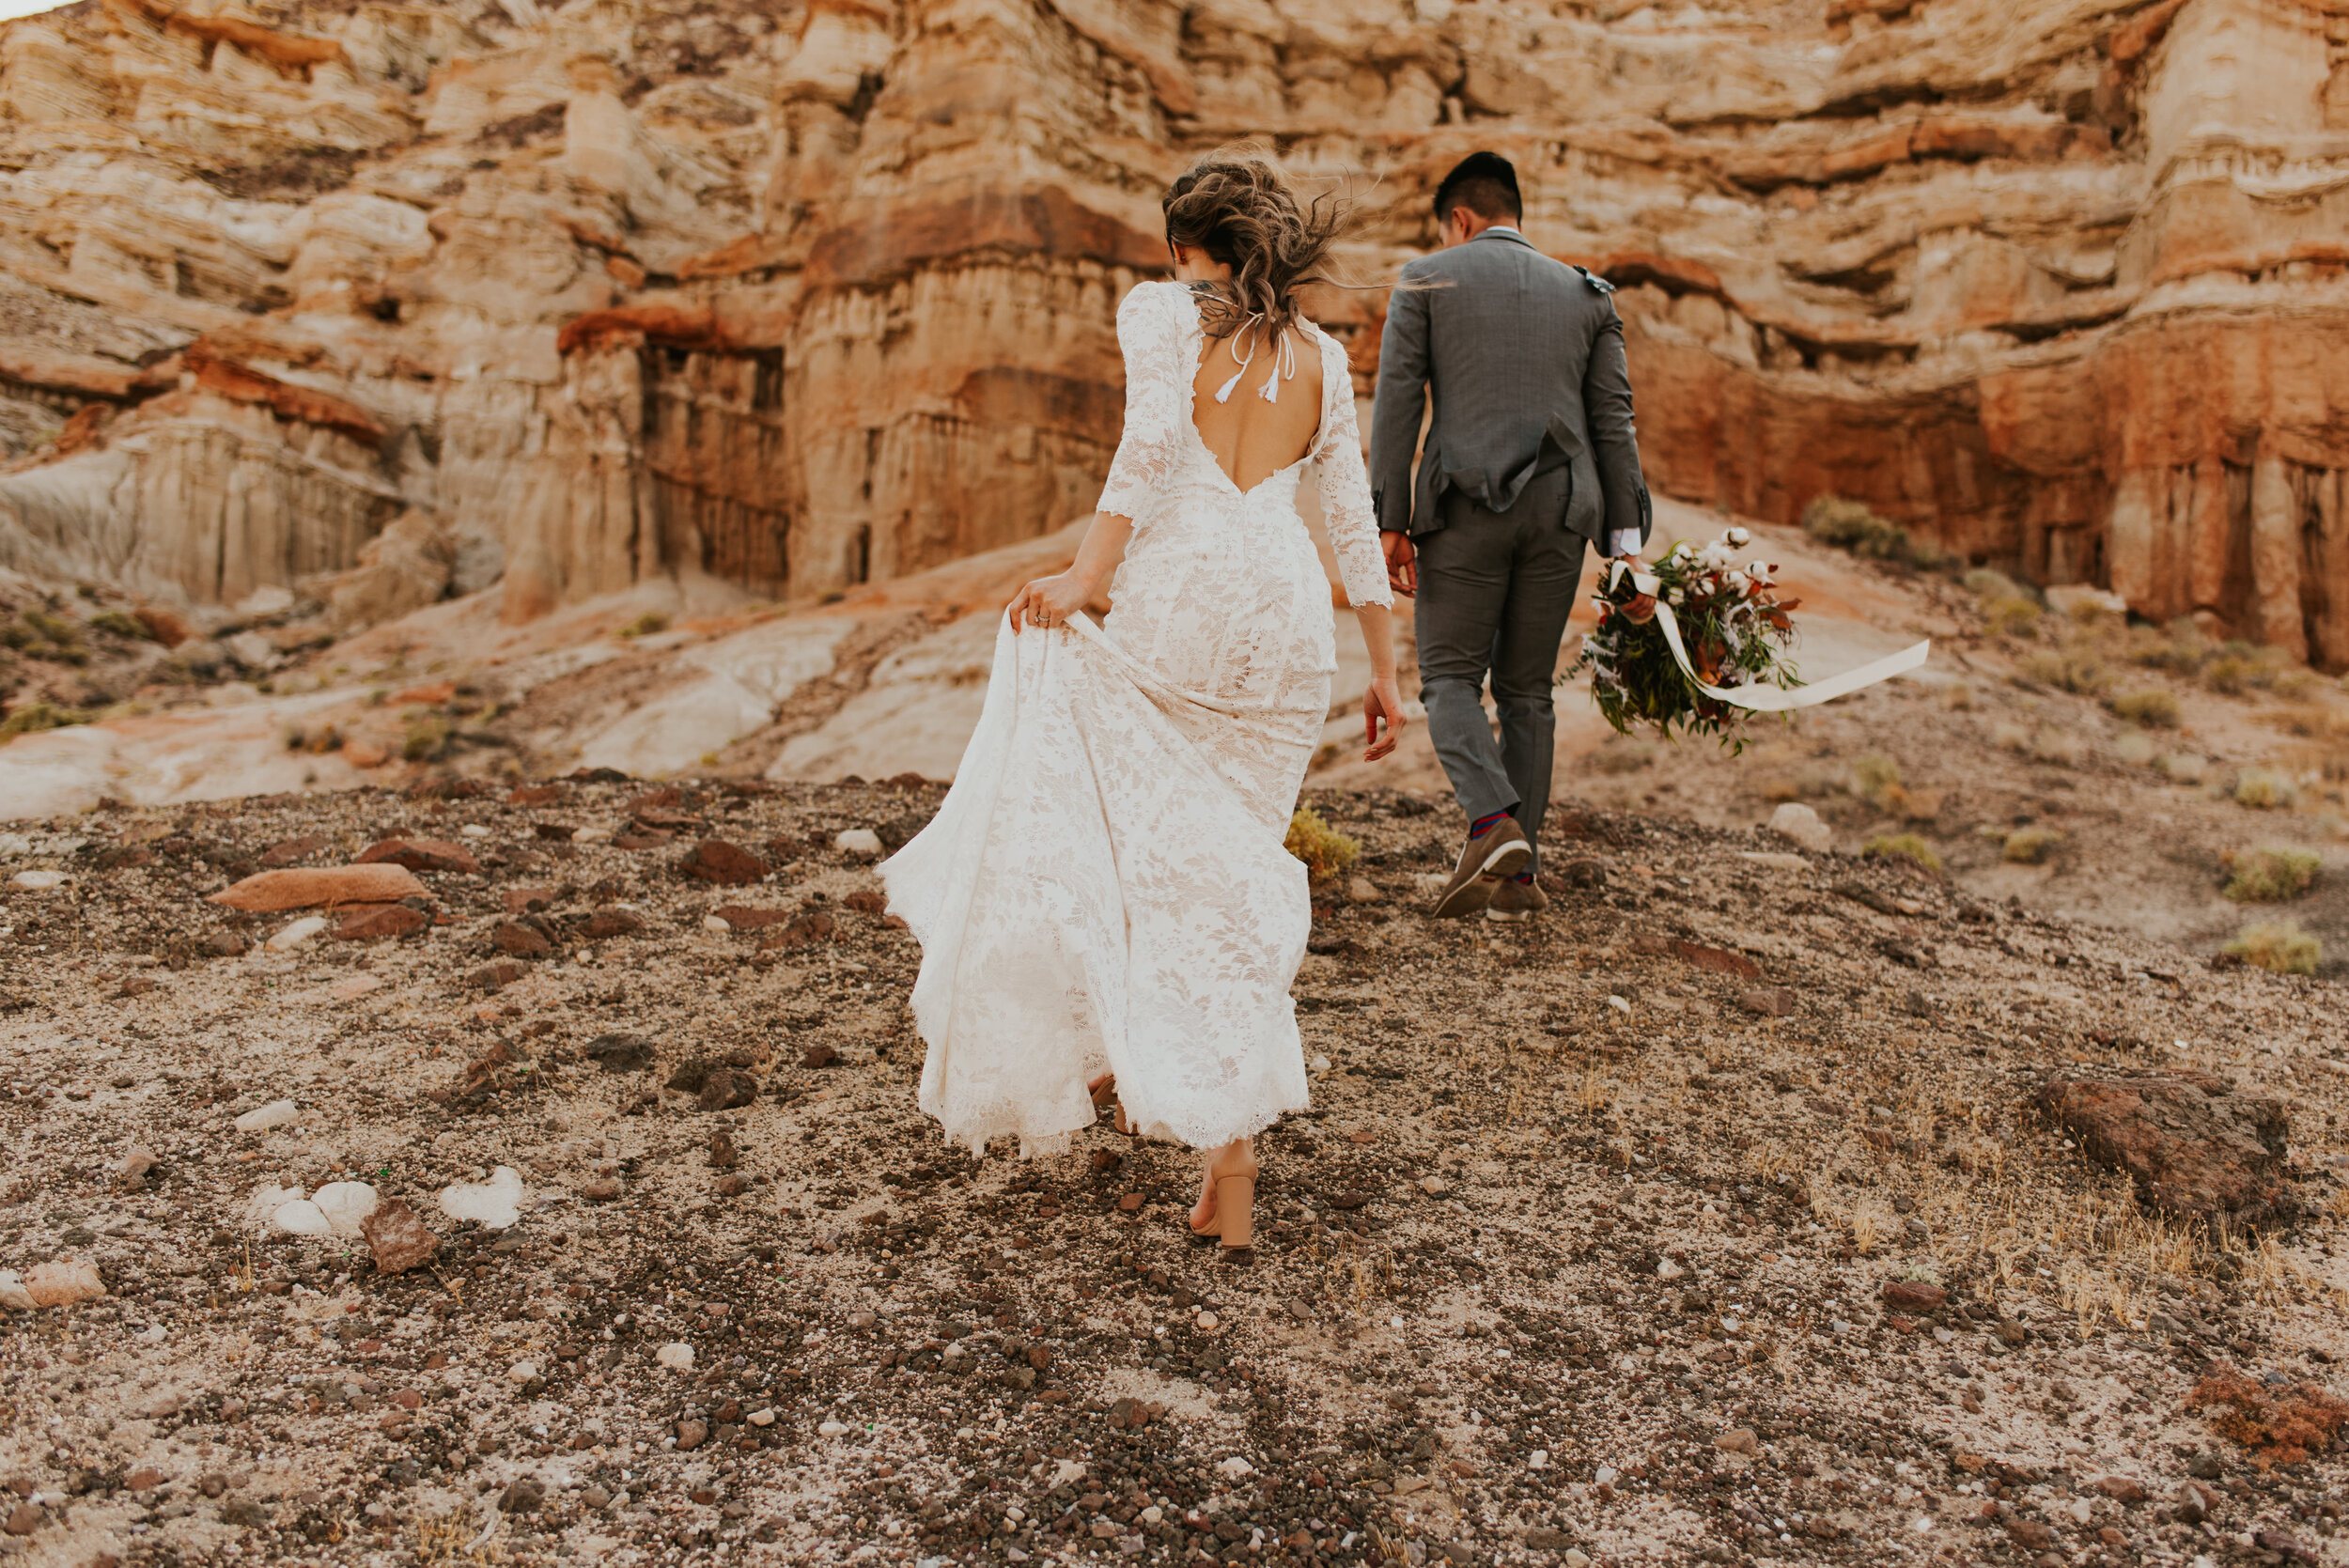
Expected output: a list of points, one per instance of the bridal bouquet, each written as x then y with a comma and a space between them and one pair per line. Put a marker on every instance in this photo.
1689, 643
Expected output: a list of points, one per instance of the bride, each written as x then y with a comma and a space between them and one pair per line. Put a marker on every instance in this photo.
1104, 901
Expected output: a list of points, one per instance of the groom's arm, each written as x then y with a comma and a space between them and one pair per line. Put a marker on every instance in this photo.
1614, 442
1394, 415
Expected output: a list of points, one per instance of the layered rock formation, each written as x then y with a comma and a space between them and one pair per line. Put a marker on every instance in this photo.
804, 294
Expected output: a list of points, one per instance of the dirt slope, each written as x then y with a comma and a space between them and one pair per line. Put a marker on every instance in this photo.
1578, 1256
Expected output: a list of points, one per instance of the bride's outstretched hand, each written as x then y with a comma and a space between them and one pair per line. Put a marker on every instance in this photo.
1383, 701
1048, 601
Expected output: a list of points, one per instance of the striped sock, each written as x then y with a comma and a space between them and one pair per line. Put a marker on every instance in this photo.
1484, 825
1525, 877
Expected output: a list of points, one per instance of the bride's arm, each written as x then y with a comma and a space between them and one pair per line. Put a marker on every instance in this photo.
1384, 699
1050, 600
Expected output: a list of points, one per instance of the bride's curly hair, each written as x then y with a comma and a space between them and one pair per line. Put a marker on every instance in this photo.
1237, 205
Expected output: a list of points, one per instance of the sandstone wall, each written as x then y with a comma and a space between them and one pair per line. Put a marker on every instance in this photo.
799, 294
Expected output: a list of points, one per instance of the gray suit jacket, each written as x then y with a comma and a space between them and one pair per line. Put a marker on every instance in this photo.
1526, 358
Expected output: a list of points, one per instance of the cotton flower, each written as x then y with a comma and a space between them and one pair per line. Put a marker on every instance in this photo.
1738, 539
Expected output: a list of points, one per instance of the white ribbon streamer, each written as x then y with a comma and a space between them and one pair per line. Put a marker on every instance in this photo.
1767, 699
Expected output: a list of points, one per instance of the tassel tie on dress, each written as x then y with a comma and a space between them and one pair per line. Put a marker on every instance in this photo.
1283, 362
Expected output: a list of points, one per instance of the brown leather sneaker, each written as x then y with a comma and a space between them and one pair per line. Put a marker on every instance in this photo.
1516, 900
1484, 864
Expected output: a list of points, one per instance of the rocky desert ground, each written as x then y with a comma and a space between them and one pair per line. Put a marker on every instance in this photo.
566, 1200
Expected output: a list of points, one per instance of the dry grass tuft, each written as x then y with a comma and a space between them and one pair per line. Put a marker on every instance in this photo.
2279, 1425
2151, 706
1326, 851
2261, 789
2271, 876
2030, 845
1909, 847
2278, 945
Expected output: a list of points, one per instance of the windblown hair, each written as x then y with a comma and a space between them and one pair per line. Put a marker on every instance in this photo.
1237, 205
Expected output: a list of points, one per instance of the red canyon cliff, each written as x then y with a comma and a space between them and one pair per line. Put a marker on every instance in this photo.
382, 300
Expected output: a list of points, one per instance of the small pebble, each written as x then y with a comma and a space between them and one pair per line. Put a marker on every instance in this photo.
761, 1418
831, 1429
522, 1371
295, 935
37, 881
675, 1356
716, 924
862, 843
277, 1113
1209, 1320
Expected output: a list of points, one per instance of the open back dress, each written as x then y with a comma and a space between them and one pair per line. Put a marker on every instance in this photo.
1106, 887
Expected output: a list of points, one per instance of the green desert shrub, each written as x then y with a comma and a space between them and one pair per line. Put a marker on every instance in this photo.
2271, 876
2263, 789
1907, 847
1854, 525
1326, 851
646, 624
2279, 945
2151, 707
2030, 845
428, 737
35, 717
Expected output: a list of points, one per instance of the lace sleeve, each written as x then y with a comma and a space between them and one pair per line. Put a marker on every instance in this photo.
1345, 504
1150, 333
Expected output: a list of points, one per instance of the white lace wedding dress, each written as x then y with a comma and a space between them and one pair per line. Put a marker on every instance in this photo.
1105, 887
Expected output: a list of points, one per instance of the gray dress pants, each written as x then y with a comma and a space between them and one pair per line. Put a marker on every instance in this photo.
1495, 589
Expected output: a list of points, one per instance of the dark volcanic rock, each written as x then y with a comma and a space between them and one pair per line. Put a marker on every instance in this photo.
398, 1238
619, 1053
363, 922
516, 940
726, 1089
730, 865
421, 854
2195, 1148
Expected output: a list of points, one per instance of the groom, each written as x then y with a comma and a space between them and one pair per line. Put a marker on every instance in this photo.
1530, 457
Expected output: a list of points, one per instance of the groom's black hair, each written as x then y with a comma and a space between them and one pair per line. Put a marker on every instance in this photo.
1486, 184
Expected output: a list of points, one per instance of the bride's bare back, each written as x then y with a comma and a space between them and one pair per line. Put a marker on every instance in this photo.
1250, 439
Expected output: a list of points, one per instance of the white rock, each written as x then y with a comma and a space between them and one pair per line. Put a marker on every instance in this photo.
1667, 1270
1234, 1468
1209, 1320
861, 842
493, 1204
592, 835
1319, 1064
13, 1295
295, 935
251, 649
1800, 824
2079, 600
675, 1356
15, 844
761, 1418
344, 1204
277, 1113
63, 1282
1774, 860
473, 829
268, 1199
1605, 1476
830, 1429
522, 1371
1537, 1460
37, 881
1573, 1558
301, 1218
1361, 889
716, 924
